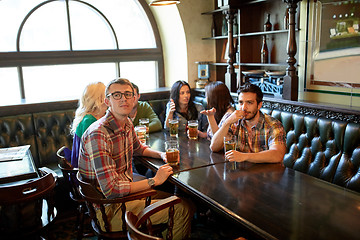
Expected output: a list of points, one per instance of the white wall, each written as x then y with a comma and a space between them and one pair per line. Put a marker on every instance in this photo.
181, 28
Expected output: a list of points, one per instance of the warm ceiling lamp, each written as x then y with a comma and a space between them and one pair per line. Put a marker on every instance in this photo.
163, 2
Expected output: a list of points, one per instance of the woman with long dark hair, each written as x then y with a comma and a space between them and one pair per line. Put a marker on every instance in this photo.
182, 107
220, 103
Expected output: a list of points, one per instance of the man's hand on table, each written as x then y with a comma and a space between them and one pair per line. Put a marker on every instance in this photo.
162, 174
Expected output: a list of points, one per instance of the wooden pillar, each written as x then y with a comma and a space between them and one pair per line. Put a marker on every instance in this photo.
291, 80
230, 76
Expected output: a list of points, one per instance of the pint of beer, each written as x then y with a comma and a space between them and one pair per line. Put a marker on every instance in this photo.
141, 133
172, 152
229, 143
193, 129
174, 127
145, 122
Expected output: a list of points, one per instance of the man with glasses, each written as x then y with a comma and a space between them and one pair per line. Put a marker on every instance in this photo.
106, 153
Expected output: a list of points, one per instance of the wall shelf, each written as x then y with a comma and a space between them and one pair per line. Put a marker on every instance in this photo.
245, 52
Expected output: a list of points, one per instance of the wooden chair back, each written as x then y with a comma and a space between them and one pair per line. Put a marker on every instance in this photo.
94, 200
69, 176
140, 227
27, 208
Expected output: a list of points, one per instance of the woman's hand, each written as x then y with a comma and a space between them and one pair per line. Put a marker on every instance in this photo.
172, 106
202, 134
208, 113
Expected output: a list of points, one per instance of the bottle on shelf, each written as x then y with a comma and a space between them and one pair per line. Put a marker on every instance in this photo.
267, 24
286, 19
237, 54
235, 25
276, 24
264, 51
224, 29
213, 28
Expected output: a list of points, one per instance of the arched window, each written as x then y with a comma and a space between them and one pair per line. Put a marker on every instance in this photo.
49, 50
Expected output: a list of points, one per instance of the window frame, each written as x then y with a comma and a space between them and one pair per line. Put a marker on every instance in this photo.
42, 58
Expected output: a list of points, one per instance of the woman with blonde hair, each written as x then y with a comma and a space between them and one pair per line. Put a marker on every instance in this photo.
91, 108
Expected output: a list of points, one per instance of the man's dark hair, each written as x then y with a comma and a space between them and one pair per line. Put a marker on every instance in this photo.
121, 81
135, 88
252, 89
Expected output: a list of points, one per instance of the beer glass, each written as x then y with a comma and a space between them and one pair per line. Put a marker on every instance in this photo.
145, 122
229, 143
193, 129
172, 152
174, 127
141, 133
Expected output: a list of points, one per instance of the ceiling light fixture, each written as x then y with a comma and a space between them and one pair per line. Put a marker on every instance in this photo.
163, 2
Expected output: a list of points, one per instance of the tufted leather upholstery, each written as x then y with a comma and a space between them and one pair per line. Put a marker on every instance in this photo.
159, 107
323, 148
17, 130
45, 132
52, 132
348, 171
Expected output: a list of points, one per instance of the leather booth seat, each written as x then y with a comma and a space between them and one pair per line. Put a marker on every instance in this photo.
52, 132
46, 132
17, 130
323, 148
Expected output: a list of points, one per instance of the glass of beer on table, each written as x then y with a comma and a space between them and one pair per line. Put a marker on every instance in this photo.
174, 127
141, 133
193, 129
229, 143
145, 122
172, 152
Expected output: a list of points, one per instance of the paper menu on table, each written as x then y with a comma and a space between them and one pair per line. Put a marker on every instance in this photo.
13, 153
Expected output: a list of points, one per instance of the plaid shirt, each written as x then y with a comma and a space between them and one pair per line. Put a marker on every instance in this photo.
267, 132
106, 155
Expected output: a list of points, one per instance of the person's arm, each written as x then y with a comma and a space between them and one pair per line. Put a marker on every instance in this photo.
275, 154
162, 174
217, 142
202, 120
170, 109
210, 114
148, 152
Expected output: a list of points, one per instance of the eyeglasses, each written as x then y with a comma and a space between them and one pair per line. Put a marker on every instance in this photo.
118, 95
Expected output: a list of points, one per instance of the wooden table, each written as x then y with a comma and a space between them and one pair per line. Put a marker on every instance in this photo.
272, 201
12, 171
